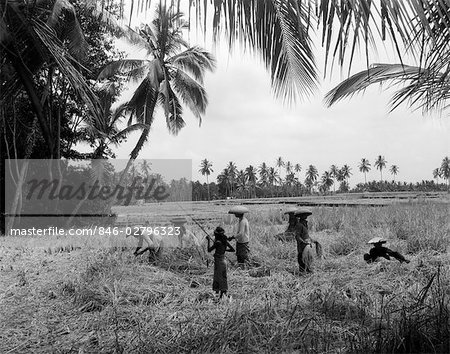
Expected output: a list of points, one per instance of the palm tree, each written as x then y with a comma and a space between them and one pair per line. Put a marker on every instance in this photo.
206, 169
242, 185
445, 170
232, 173
37, 35
311, 176
288, 166
327, 180
364, 167
380, 163
279, 163
263, 170
394, 170
334, 170
437, 174
250, 174
272, 177
345, 171
145, 168
164, 77
223, 179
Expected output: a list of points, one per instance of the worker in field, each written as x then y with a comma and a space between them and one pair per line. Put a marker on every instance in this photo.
154, 242
241, 234
185, 237
378, 250
289, 234
305, 253
221, 245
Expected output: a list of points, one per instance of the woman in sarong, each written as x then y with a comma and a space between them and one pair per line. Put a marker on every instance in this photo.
221, 245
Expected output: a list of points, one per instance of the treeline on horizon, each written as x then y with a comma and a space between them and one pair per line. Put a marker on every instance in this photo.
267, 181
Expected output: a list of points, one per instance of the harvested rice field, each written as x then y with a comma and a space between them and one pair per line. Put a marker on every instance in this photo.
91, 295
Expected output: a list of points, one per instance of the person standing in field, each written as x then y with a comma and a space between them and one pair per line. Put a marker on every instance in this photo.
221, 245
289, 234
304, 242
378, 250
242, 235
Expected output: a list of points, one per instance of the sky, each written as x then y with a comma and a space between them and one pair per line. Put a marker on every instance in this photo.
246, 124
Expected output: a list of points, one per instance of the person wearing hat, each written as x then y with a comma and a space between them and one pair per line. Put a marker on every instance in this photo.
289, 234
378, 250
304, 242
241, 234
221, 245
184, 234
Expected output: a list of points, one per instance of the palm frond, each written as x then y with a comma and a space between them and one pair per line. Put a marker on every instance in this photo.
125, 132
143, 102
191, 92
63, 20
278, 31
195, 60
428, 88
76, 79
172, 108
131, 68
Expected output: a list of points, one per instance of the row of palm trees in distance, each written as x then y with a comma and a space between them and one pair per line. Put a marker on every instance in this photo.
244, 182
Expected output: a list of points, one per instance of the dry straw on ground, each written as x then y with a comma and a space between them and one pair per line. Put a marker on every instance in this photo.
102, 299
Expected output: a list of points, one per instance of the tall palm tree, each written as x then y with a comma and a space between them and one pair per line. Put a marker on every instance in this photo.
250, 174
279, 163
288, 166
223, 179
145, 168
273, 178
394, 170
380, 163
242, 185
311, 176
165, 76
232, 174
364, 167
346, 173
437, 174
206, 169
327, 180
445, 170
297, 168
263, 171
334, 170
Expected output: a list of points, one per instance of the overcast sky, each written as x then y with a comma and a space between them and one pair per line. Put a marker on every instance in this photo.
245, 124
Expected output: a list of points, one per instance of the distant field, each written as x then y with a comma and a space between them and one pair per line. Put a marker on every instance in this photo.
217, 209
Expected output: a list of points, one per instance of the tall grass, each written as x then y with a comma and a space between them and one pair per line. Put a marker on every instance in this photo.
345, 306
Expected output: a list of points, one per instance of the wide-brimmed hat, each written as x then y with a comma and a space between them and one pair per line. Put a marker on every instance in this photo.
377, 240
219, 231
302, 211
291, 210
179, 220
238, 209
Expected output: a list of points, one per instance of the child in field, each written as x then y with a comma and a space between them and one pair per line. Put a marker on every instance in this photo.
379, 251
221, 245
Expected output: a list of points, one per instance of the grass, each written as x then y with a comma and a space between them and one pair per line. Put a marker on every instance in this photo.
102, 299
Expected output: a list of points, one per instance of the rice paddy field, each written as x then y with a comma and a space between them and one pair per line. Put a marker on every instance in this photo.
89, 294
